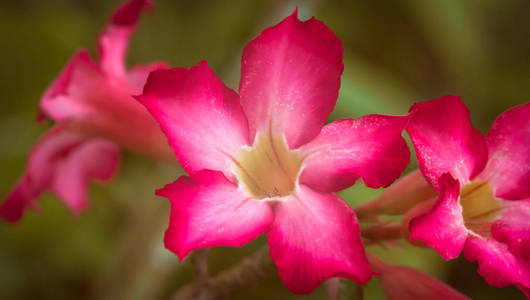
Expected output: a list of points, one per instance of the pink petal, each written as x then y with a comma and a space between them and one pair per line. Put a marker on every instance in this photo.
513, 227
315, 237
137, 75
68, 95
93, 159
370, 147
442, 228
207, 210
508, 141
445, 141
114, 41
290, 79
96, 98
60, 150
496, 263
85, 98
200, 116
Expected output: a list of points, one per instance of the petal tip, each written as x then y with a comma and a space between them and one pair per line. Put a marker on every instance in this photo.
127, 14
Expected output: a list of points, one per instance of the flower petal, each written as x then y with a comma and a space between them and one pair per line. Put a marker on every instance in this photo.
513, 227
60, 150
314, 237
201, 117
93, 159
68, 96
442, 228
508, 140
370, 147
137, 75
207, 210
290, 79
445, 141
496, 263
114, 41
85, 98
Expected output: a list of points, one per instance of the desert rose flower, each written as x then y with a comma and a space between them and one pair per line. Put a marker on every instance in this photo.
261, 162
95, 98
92, 105
483, 207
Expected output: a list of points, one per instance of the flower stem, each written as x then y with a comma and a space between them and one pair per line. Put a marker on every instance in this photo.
249, 272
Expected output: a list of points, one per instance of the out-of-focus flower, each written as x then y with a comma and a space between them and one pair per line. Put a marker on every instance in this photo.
90, 101
95, 98
406, 283
265, 164
62, 162
483, 183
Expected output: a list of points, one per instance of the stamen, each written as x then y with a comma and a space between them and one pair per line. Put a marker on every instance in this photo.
480, 207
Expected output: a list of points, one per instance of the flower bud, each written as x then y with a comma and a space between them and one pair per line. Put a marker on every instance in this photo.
404, 283
399, 197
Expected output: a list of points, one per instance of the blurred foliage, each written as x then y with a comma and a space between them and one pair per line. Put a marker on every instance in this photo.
396, 53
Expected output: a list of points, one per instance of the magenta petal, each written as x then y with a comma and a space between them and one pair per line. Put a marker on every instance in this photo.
68, 96
137, 75
370, 147
445, 141
56, 152
508, 140
207, 210
513, 227
496, 263
200, 116
314, 237
22, 195
290, 79
114, 41
442, 228
88, 100
93, 159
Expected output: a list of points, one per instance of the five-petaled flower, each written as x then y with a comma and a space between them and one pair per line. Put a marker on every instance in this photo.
483, 207
95, 112
260, 161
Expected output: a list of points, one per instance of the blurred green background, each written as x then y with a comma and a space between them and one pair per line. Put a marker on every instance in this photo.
396, 53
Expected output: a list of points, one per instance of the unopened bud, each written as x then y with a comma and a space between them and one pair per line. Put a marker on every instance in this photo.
405, 283
399, 197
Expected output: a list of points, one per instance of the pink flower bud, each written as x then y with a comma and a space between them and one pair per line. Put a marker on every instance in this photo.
404, 283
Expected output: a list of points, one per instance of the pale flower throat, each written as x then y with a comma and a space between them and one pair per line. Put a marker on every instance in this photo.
268, 169
480, 207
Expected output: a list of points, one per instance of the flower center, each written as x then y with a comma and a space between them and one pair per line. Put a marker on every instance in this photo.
268, 169
480, 207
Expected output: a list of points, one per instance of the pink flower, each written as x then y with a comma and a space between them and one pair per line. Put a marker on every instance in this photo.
95, 98
483, 183
260, 162
90, 101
